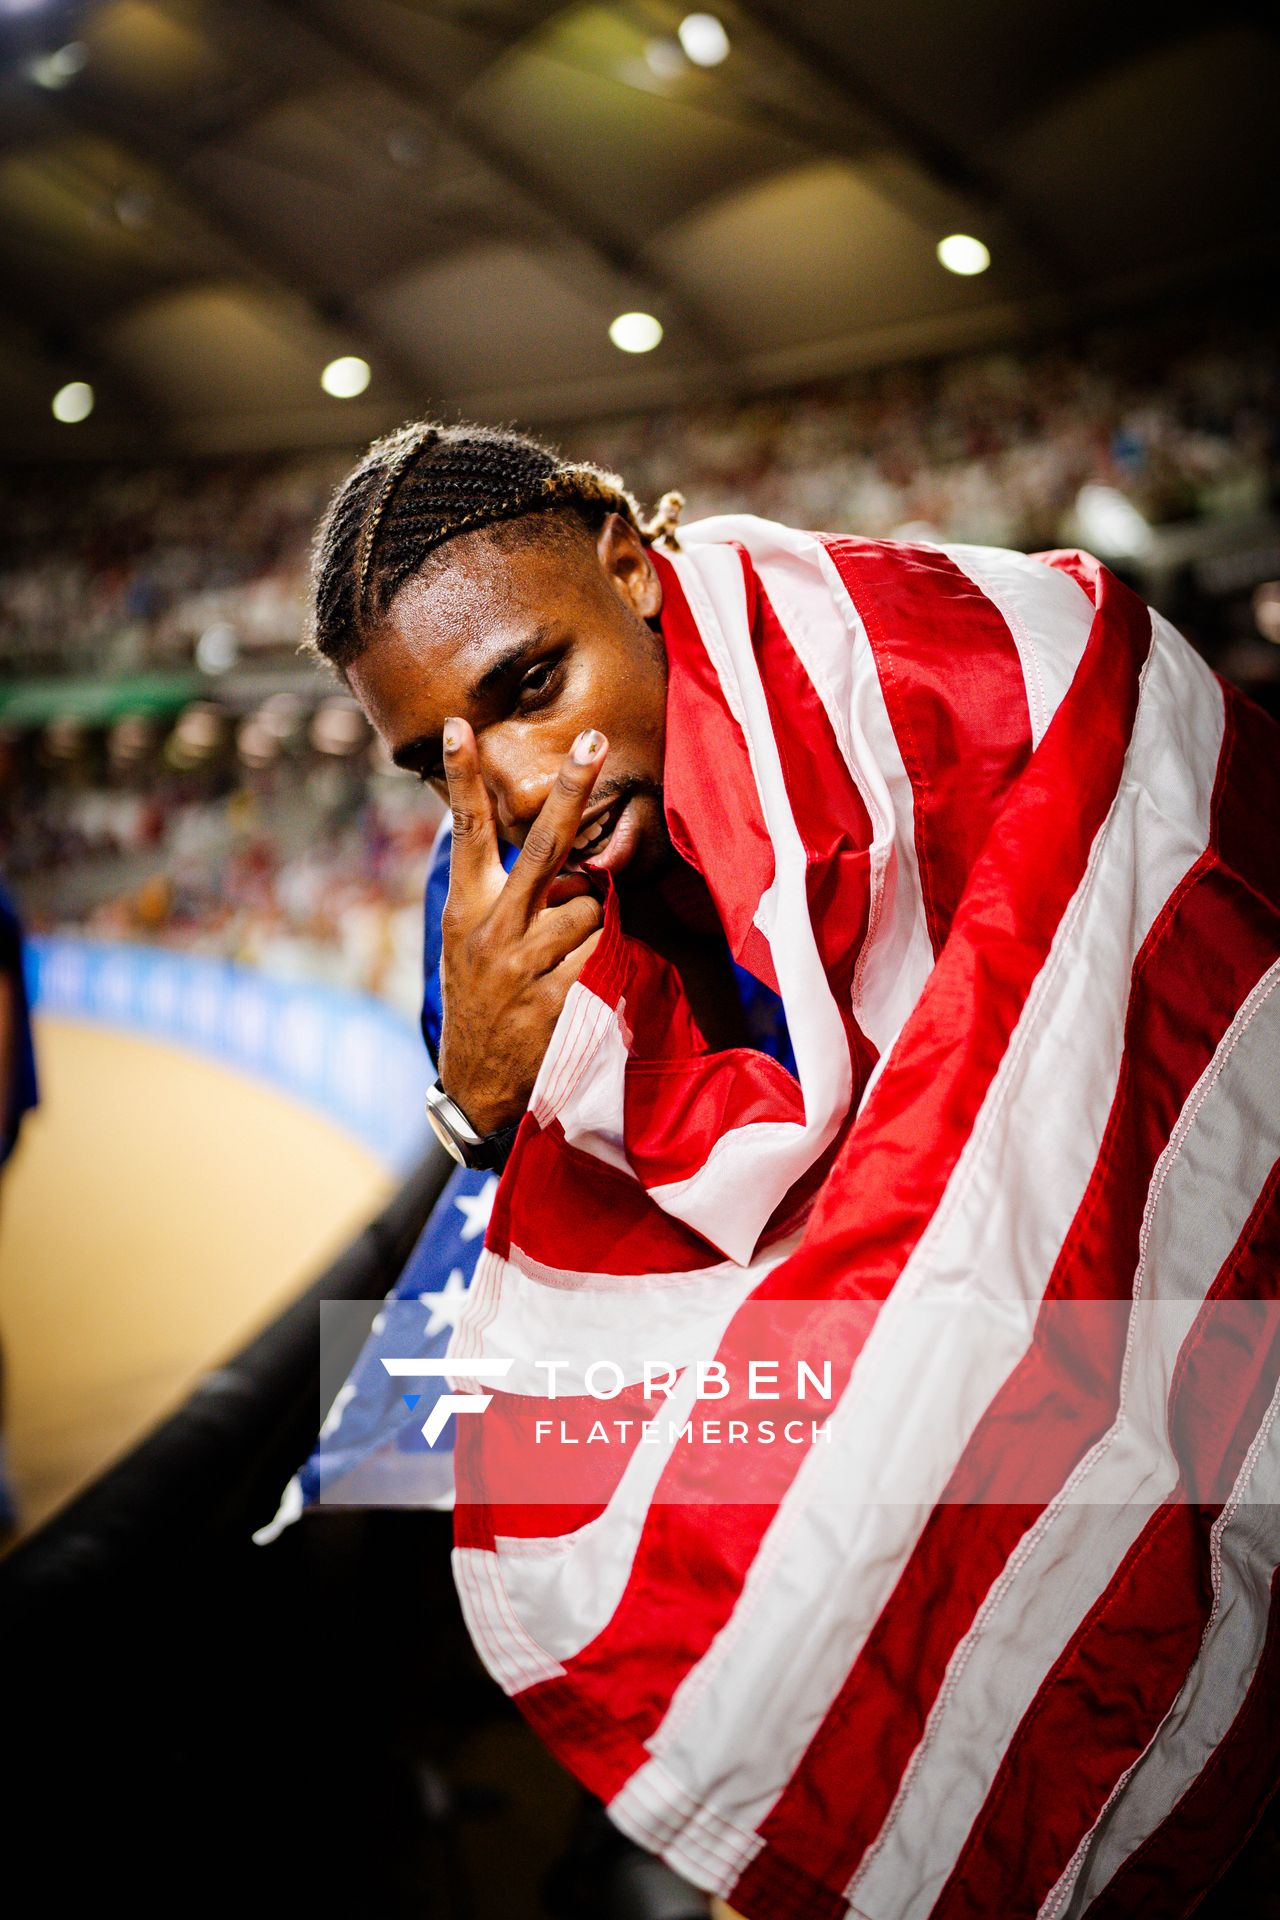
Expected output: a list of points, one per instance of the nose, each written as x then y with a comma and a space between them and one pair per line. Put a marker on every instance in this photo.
518, 781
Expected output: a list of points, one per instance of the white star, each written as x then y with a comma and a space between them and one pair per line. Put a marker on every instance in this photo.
450, 1302
477, 1207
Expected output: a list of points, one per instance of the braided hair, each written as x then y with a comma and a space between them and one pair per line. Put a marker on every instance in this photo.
423, 485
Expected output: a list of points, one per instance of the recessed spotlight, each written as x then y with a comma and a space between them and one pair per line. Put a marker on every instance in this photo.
961, 253
704, 39
346, 377
73, 403
54, 70
636, 332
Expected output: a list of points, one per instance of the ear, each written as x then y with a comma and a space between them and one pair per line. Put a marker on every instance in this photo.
628, 568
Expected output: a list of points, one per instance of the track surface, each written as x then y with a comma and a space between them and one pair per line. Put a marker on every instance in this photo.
159, 1209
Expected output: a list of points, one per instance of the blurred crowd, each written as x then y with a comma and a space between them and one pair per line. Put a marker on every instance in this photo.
311, 868
289, 843
113, 570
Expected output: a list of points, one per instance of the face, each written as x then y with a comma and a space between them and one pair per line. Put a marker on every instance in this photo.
531, 643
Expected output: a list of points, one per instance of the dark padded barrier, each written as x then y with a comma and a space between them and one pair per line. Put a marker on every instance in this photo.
221, 1461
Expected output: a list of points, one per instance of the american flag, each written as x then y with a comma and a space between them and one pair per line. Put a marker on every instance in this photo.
1007, 850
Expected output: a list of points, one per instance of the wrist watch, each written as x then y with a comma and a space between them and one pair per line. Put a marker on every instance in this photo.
489, 1151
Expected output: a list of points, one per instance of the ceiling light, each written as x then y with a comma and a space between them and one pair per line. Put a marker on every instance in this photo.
344, 378
54, 70
73, 403
665, 60
961, 253
704, 39
636, 332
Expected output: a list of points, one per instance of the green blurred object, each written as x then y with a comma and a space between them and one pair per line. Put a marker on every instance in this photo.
96, 703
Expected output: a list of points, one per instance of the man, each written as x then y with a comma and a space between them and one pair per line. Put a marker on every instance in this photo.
986, 826
532, 687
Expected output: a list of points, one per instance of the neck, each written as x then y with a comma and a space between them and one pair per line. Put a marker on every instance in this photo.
676, 916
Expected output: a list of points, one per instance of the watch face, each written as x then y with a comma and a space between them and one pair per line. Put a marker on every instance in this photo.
444, 1136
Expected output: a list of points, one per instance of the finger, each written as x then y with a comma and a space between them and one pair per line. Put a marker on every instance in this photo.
558, 931
474, 852
551, 837
564, 976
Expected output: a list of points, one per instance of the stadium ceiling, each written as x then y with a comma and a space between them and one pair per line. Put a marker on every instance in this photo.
202, 202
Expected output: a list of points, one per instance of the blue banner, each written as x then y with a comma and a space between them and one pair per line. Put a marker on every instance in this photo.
350, 1057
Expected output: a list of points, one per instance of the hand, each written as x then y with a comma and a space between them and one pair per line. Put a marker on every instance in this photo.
513, 943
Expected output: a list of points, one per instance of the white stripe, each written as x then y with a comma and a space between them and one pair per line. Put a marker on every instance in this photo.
1049, 616
1202, 1192
564, 1589
659, 1814
583, 1087
654, 1317
752, 1168
1243, 1554
512, 1657
803, 582
731, 1732
582, 1027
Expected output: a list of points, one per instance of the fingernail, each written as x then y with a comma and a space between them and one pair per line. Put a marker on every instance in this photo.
452, 735
588, 747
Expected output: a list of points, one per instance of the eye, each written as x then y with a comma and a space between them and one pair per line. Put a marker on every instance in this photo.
537, 683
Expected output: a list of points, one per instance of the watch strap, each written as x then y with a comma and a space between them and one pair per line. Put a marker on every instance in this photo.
489, 1152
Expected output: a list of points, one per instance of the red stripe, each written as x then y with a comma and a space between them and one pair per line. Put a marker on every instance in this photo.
1203, 954
539, 1485
1119, 1674
709, 789
893, 1169
676, 1111
830, 815
566, 1207
919, 1116
954, 689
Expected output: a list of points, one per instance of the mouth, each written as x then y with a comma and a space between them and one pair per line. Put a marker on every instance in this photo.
595, 834
606, 840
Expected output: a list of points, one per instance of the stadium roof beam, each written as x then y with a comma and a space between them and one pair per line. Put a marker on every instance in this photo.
72, 354
560, 214
941, 163
249, 253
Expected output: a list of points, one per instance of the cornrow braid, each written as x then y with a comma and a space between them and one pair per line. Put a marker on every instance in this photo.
425, 484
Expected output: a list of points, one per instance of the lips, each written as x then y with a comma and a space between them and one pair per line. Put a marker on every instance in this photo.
595, 834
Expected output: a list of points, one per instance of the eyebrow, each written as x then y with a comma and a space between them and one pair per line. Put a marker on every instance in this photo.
426, 747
